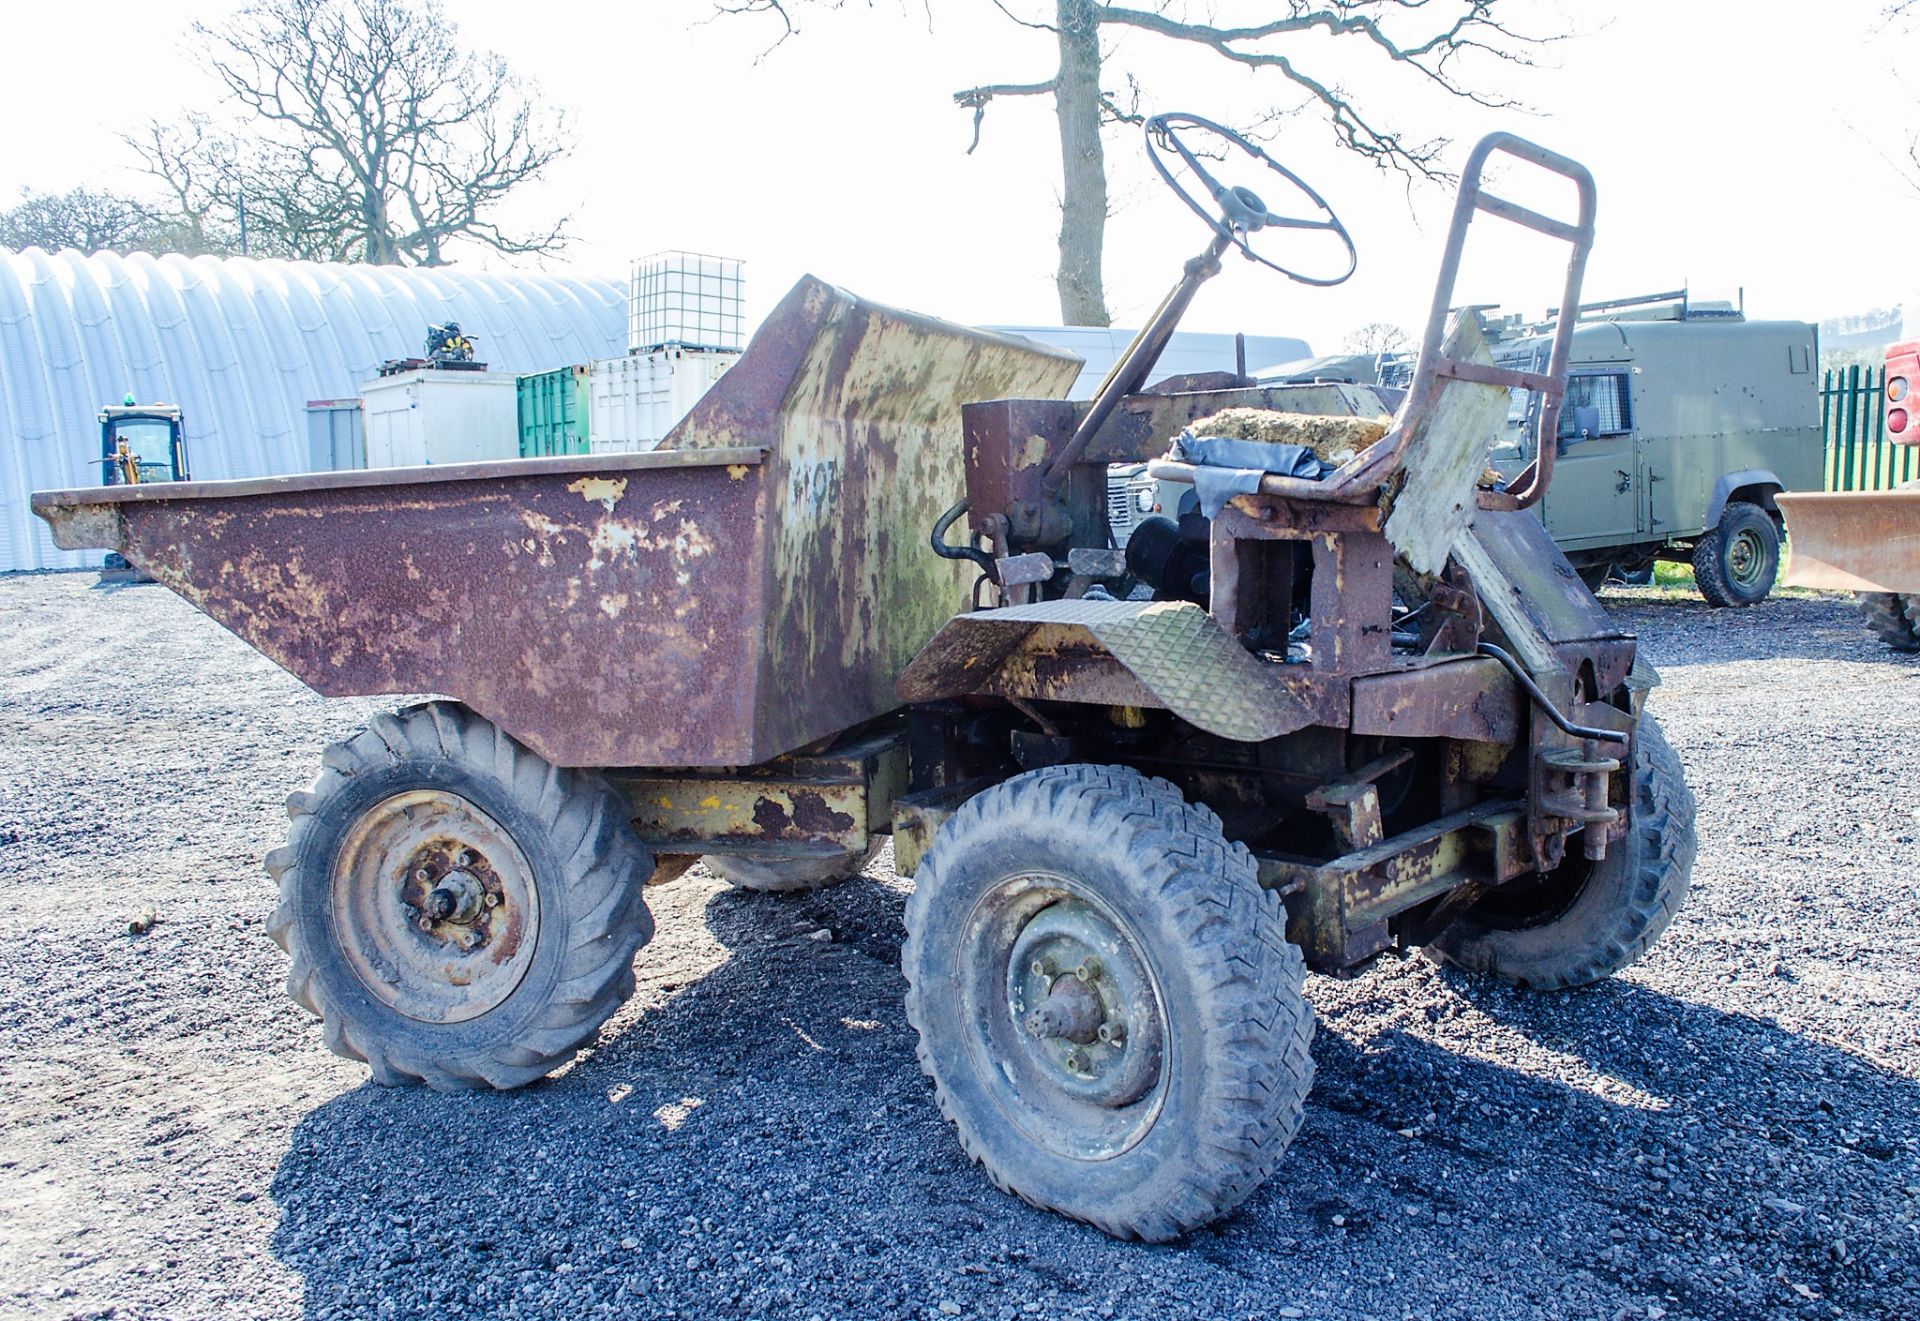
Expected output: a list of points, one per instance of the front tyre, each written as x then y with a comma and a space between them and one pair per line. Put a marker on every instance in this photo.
458, 911
1106, 1000
1894, 617
1736, 563
1585, 921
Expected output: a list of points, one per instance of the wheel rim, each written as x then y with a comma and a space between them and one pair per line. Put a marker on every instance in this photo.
435, 907
1064, 1017
1746, 558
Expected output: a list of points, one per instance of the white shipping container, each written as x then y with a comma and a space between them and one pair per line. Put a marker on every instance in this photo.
435, 416
633, 402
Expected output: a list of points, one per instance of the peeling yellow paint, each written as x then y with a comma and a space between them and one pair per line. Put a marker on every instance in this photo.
737, 471
709, 801
606, 490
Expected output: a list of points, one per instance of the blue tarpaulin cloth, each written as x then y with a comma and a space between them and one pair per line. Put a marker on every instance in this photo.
1224, 468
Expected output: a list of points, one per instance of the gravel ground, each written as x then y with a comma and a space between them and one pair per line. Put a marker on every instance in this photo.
1730, 1130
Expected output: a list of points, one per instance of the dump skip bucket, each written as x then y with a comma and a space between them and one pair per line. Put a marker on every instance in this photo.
755, 587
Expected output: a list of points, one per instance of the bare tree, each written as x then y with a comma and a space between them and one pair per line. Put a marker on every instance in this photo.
85, 219
362, 131
1434, 42
1379, 337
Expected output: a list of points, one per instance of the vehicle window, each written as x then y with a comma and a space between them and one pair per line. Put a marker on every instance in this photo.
1595, 404
1520, 402
151, 441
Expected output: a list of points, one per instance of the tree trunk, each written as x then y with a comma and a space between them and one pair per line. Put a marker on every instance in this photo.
1083, 204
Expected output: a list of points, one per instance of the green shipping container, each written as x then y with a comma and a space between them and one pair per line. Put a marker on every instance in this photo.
553, 412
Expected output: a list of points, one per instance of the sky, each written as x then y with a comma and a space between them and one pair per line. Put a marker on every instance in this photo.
1738, 147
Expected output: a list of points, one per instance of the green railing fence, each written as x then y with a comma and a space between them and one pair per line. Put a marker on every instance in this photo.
1852, 417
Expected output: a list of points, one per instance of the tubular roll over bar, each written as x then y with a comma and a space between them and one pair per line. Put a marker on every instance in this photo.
1356, 482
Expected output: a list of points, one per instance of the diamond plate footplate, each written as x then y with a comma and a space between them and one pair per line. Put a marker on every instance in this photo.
1174, 648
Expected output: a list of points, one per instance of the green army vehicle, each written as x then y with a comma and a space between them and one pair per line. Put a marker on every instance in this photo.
1682, 423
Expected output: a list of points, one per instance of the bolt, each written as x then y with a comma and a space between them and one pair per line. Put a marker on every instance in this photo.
420, 873
1088, 971
1077, 1061
426, 923
464, 858
492, 900
1039, 968
1114, 1034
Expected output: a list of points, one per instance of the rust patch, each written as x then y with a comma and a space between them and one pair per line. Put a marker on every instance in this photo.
771, 817
812, 815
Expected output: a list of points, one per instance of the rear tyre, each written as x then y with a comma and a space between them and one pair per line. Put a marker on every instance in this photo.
1106, 1000
1586, 921
770, 875
1736, 563
459, 912
1893, 617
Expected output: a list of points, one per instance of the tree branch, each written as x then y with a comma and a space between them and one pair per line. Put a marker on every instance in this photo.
976, 98
1431, 56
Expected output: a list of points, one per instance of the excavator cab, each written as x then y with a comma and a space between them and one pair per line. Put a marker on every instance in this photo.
142, 443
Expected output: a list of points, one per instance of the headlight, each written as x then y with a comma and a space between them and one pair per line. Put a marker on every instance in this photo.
1143, 499
1896, 389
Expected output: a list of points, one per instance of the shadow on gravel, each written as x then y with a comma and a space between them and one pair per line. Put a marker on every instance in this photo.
764, 1144
1686, 630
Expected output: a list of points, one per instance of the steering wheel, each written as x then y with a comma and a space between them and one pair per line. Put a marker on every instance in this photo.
1241, 212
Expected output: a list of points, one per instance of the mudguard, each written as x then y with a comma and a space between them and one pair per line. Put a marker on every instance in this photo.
1124, 653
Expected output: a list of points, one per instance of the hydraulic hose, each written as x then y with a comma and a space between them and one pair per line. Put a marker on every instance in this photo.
950, 552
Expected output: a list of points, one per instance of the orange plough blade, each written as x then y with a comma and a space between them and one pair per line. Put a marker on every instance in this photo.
1853, 541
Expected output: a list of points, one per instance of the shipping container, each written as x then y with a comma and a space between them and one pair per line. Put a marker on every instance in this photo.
685, 300
336, 437
553, 412
433, 415
633, 402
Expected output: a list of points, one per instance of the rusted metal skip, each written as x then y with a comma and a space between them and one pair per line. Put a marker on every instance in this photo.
1854, 541
600, 610
751, 588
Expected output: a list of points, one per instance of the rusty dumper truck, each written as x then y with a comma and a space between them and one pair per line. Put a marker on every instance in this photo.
1366, 710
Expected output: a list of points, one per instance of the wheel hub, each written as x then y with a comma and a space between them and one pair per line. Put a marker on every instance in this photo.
435, 906
1084, 1005
1743, 556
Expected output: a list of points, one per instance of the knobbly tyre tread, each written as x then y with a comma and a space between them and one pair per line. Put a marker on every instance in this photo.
601, 866
1710, 570
1232, 934
1894, 617
1593, 943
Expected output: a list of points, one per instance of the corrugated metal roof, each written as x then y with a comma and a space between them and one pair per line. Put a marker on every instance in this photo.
240, 346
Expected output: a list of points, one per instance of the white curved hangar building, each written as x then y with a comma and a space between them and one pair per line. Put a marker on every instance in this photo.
240, 346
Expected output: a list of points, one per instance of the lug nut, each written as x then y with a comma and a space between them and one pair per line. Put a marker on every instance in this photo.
464, 858
1077, 1061
1114, 1034
426, 923
1039, 968
1088, 971
419, 873
491, 901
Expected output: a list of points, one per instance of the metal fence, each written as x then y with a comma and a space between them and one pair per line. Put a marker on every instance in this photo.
1853, 419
